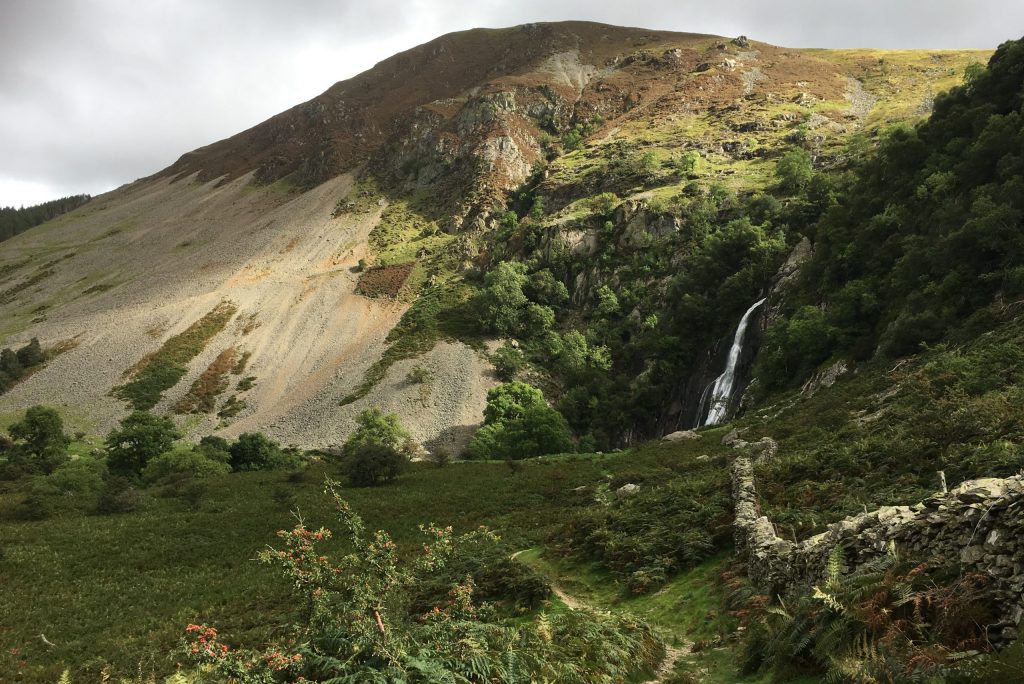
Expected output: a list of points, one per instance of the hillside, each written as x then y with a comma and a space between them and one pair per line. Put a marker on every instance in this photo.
437, 137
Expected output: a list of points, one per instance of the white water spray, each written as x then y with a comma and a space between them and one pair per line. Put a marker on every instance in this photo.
722, 389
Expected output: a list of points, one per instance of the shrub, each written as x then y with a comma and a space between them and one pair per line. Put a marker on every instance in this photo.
256, 451
604, 204
141, 437
673, 523
119, 496
31, 354
889, 620
496, 576
441, 457
41, 500
183, 461
215, 448
81, 479
369, 464
419, 375
361, 622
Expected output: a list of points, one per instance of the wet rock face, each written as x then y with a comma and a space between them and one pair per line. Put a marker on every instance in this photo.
979, 523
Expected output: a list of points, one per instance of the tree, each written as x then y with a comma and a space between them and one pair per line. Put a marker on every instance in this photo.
508, 402
255, 451
502, 300
370, 464
373, 426
141, 437
544, 288
40, 444
607, 301
10, 365
518, 423
794, 171
539, 430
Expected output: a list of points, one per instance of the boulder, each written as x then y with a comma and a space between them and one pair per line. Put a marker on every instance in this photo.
680, 435
627, 490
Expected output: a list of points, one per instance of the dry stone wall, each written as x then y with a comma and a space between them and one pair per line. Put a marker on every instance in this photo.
978, 525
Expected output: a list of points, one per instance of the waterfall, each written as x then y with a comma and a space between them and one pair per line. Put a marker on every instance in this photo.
722, 389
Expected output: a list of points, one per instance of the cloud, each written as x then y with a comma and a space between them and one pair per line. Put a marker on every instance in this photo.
95, 93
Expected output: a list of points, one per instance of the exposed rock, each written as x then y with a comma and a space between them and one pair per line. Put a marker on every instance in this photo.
627, 490
731, 437
741, 42
680, 435
824, 378
786, 277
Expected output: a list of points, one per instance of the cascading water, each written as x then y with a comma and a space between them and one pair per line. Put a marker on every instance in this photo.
722, 388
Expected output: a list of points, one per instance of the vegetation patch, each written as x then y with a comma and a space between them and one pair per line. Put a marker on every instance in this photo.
99, 287
11, 293
241, 363
384, 281
159, 371
202, 396
18, 366
9, 268
232, 407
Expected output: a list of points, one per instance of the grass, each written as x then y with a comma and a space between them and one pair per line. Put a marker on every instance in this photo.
120, 589
159, 371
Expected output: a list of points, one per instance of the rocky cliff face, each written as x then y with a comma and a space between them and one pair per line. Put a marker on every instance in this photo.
467, 108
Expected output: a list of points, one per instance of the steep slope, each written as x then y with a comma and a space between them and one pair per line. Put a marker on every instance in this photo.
438, 136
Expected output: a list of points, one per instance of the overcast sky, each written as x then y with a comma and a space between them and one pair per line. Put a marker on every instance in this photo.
96, 93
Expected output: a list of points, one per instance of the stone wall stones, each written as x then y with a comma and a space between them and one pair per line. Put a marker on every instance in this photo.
978, 524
